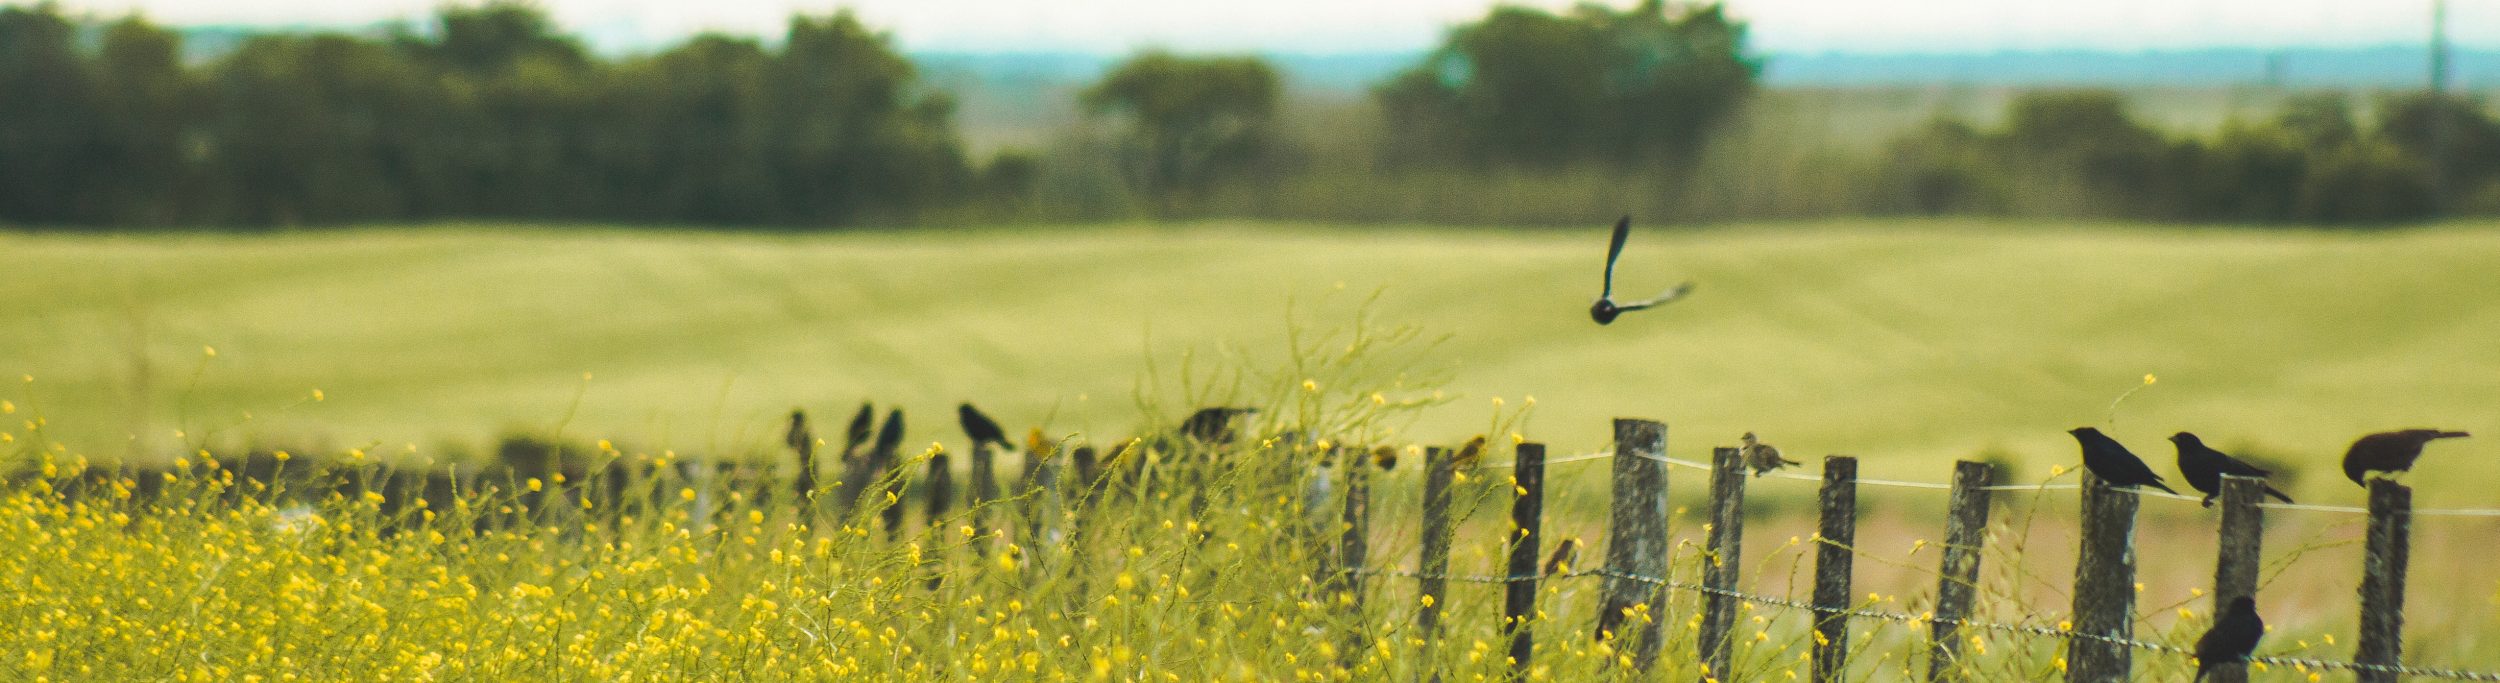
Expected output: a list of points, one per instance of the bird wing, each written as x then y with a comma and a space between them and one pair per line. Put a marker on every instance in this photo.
1623, 231
1663, 297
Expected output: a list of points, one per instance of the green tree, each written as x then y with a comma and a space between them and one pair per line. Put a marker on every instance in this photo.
49, 118
1632, 89
1190, 121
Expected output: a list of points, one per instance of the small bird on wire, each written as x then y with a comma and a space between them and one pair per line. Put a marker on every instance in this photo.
981, 429
2113, 463
861, 425
1605, 310
1565, 553
1763, 457
2389, 452
2233, 637
2203, 467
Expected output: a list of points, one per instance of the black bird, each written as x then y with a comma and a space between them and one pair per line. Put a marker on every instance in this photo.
981, 428
2203, 468
1565, 553
2233, 637
798, 438
1215, 424
1605, 310
2389, 452
2112, 462
860, 425
890, 436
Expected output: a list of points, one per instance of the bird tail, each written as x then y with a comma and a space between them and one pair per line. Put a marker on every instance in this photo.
2164, 487
2278, 495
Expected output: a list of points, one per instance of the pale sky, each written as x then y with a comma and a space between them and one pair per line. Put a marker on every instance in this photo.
1111, 26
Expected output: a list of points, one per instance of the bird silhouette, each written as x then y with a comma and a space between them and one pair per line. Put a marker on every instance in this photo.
1214, 424
2389, 452
861, 425
1605, 310
798, 437
1565, 553
890, 436
2203, 468
981, 429
2112, 462
1469, 455
2233, 637
1763, 457
1386, 457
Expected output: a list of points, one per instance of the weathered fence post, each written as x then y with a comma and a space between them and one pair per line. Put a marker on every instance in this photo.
1434, 564
1835, 542
2104, 603
982, 491
803, 440
1354, 553
1723, 564
1636, 540
1964, 534
1527, 517
941, 486
2388, 547
2236, 556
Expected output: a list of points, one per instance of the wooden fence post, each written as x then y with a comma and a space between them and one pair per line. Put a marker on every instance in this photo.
1354, 553
1636, 540
1434, 564
803, 440
1724, 562
2388, 550
1833, 560
1964, 535
941, 486
2236, 556
982, 490
2104, 602
1527, 517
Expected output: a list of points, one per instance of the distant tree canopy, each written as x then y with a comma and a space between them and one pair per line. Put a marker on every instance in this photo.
1190, 120
1641, 88
491, 114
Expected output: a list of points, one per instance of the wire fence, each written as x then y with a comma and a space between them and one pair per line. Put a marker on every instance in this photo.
1894, 483
2302, 663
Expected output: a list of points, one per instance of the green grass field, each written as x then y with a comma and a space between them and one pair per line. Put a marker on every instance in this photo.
1907, 343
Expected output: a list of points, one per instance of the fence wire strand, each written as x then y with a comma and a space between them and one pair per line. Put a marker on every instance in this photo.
2302, 663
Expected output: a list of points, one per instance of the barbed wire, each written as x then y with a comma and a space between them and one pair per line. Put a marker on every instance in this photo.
1908, 618
1894, 483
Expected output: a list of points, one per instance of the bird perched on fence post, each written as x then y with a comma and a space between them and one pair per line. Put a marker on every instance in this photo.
1762, 457
2389, 452
861, 425
2233, 636
2113, 463
2203, 468
1214, 424
981, 429
1605, 310
1469, 455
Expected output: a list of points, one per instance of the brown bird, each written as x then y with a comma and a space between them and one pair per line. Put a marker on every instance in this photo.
1565, 553
2389, 452
1763, 457
1386, 457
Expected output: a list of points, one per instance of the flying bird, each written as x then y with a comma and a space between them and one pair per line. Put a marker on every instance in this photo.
2389, 452
2233, 637
1763, 457
2203, 468
861, 424
2112, 462
1605, 310
1565, 553
981, 428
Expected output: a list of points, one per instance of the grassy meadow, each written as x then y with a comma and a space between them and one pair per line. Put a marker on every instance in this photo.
1909, 344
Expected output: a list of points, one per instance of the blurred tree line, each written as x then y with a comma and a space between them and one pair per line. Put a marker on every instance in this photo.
1522, 116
